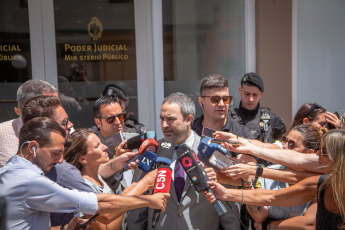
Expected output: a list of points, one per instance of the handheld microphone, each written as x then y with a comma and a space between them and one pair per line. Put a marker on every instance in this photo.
215, 153
146, 161
148, 145
134, 142
165, 152
162, 185
196, 173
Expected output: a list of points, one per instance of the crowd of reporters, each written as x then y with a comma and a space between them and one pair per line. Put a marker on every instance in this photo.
227, 169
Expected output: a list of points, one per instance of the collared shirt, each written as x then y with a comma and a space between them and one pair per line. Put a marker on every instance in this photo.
32, 196
189, 142
230, 126
9, 139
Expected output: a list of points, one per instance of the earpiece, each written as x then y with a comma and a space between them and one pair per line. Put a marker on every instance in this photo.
202, 105
34, 150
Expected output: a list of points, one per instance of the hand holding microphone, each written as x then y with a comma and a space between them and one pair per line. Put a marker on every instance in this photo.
148, 145
162, 185
195, 172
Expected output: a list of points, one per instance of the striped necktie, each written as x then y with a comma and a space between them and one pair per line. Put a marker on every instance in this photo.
179, 180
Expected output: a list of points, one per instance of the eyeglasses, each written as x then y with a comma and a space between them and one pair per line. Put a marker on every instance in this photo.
64, 123
314, 106
216, 99
112, 118
291, 144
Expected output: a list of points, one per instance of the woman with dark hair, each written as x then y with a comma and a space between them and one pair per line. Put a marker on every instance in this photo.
305, 139
328, 188
87, 153
317, 116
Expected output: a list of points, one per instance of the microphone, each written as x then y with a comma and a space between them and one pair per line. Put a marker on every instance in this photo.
196, 173
146, 161
216, 154
148, 145
162, 185
134, 142
165, 152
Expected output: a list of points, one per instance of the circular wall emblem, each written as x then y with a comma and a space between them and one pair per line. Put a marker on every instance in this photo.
95, 28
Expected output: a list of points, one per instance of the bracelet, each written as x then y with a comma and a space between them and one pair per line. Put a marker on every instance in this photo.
242, 196
62, 227
259, 170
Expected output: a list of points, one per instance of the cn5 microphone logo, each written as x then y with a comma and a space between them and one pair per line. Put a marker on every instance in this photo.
161, 178
187, 162
166, 145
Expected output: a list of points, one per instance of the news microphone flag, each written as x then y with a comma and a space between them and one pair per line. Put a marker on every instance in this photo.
162, 185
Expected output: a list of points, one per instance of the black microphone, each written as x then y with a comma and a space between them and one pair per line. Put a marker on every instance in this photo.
196, 173
163, 181
134, 142
165, 152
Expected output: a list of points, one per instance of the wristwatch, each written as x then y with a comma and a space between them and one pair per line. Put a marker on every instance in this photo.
259, 170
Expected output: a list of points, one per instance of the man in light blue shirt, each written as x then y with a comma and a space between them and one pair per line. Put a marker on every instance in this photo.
32, 196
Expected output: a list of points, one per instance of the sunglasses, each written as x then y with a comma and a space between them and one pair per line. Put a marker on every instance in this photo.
216, 99
64, 123
291, 144
111, 119
314, 106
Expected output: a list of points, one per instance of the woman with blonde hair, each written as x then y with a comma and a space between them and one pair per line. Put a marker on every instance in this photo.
328, 188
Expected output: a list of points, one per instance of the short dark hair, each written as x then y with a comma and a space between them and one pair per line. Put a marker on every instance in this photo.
33, 88
213, 81
40, 106
39, 129
186, 103
105, 100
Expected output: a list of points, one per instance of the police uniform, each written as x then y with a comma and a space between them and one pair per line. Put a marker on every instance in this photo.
263, 124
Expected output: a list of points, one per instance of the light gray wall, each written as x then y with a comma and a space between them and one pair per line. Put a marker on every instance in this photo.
320, 50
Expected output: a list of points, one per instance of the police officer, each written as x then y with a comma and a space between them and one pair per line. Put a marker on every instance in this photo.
131, 124
264, 125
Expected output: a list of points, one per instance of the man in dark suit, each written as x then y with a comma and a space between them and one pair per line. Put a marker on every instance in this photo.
186, 208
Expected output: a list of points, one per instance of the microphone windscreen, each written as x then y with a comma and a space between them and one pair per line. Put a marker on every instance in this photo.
134, 142
149, 144
165, 152
146, 161
205, 147
163, 179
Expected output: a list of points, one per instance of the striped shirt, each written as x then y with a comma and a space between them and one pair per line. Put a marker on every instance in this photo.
9, 139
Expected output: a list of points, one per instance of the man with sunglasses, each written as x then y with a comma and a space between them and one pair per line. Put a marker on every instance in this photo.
131, 124
214, 100
65, 174
264, 125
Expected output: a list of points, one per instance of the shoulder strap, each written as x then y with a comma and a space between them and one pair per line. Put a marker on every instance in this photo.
234, 115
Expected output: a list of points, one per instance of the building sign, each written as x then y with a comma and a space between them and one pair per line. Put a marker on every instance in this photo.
95, 51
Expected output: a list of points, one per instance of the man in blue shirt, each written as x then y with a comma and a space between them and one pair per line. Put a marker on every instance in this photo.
33, 196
